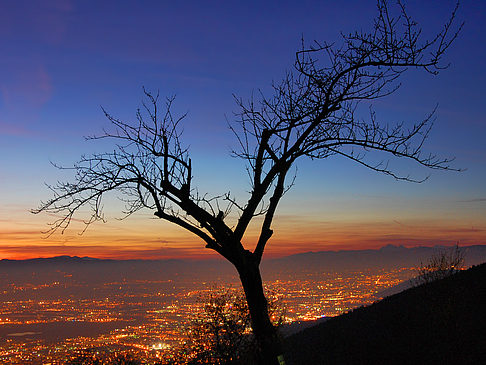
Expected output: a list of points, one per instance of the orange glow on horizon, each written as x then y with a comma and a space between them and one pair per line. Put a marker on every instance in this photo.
147, 240
143, 237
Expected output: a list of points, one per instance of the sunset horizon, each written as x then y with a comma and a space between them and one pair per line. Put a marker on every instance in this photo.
197, 182
333, 203
195, 253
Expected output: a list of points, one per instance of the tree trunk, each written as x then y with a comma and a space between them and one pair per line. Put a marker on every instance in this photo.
270, 347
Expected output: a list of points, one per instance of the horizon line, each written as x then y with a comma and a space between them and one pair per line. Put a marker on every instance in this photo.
219, 258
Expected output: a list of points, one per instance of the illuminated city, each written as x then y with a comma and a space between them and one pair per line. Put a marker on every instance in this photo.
148, 318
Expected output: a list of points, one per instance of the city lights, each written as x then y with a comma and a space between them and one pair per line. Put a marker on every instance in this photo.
144, 319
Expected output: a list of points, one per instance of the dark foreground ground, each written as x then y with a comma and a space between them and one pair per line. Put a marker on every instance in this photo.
443, 322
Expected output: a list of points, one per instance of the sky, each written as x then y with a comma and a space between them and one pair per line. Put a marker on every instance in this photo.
61, 61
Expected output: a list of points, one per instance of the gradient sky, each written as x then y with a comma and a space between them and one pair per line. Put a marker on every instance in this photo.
61, 60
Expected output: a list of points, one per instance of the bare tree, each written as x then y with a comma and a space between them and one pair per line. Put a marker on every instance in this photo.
312, 113
442, 264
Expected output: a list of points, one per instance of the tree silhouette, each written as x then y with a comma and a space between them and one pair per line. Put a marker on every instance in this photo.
311, 114
221, 333
442, 264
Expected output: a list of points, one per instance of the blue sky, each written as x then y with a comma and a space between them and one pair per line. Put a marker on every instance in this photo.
61, 60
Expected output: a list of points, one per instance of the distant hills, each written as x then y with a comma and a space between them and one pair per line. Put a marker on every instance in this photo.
89, 269
389, 256
442, 322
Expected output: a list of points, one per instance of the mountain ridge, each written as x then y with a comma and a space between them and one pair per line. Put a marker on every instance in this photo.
89, 269
387, 249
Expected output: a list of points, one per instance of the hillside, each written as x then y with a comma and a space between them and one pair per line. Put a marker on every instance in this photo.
441, 322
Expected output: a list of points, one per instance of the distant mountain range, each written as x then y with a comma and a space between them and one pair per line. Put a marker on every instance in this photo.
442, 322
387, 257
93, 269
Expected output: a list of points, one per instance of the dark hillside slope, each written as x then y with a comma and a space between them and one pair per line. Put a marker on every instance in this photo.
443, 322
